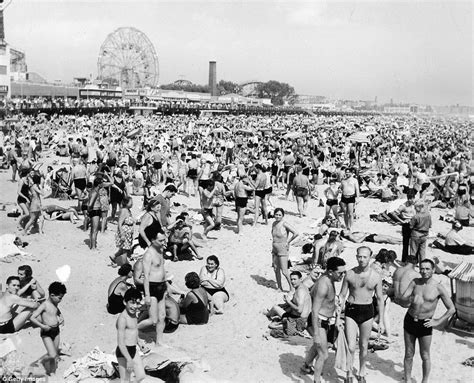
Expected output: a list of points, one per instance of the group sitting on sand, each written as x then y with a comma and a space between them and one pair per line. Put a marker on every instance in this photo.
111, 174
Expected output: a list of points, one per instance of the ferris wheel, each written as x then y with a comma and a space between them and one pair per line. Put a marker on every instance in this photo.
127, 58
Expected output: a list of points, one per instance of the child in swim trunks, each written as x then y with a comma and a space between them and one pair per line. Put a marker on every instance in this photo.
49, 322
126, 352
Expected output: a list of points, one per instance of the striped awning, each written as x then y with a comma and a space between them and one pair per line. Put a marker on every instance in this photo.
463, 272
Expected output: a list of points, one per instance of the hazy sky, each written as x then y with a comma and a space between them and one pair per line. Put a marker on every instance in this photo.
413, 51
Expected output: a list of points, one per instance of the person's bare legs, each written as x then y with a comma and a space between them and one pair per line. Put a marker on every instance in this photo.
94, 232
322, 354
350, 330
409, 354
218, 300
257, 210
350, 215
21, 318
53, 354
152, 315
103, 221
160, 323
276, 268
425, 344
240, 219
364, 334
283, 263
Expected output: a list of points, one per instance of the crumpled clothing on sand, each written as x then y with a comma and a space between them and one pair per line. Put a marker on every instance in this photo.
8, 250
95, 364
469, 362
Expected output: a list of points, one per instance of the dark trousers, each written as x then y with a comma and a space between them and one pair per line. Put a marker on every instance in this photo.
406, 232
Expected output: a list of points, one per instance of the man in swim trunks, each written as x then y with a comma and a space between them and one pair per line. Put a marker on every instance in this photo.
359, 236
9, 301
361, 282
154, 284
321, 323
402, 278
424, 294
79, 178
350, 193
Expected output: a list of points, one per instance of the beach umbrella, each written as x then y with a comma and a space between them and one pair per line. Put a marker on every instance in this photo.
361, 137
293, 135
220, 130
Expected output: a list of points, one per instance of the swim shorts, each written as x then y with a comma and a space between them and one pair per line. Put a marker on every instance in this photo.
416, 327
7, 327
331, 202
132, 350
52, 333
359, 313
348, 199
370, 238
158, 290
80, 183
241, 202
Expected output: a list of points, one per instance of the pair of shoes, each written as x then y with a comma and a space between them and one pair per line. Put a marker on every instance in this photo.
307, 369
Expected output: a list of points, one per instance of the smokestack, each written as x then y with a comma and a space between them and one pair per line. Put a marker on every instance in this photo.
2, 30
212, 78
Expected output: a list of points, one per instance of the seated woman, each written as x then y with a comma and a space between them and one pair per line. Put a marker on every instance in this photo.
117, 289
386, 286
213, 280
180, 239
194, 307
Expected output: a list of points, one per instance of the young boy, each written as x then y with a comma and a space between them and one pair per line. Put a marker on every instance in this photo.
127, 338
49, 322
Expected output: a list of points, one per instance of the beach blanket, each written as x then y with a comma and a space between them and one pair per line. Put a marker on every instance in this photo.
95, 364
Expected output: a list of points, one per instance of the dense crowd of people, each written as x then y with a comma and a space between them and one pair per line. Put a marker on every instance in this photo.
118, 160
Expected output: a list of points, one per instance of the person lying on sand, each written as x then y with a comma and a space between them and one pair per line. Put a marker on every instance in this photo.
359, 236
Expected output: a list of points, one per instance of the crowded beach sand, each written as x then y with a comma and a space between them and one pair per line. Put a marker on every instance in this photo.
236, 346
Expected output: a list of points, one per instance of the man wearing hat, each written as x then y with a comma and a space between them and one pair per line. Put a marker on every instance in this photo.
454, 243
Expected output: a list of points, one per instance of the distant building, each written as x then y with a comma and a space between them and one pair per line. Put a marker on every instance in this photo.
400, 109
308, 101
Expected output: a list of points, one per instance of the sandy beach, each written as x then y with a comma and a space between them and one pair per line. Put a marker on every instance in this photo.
236, 345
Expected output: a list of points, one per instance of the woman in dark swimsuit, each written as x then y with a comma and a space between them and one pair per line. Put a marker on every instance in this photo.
23, 199
150, 224
212, 280
194, 307
117, 289
117, 192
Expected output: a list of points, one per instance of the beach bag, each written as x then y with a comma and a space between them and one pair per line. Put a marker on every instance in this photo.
343, 357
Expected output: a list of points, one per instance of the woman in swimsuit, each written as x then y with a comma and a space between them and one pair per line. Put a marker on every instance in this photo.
150, 224
117, 289
213, 279
124, 235
117, 192
194, 307
23, 199
35, 203
281, 241
94, 212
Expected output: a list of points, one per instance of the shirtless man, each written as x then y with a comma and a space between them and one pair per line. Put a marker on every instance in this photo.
350, 193
359, 236
241, 188
321, 324
9, 301
154, 284
402, 278
79, 179
424, 293
361, 282
297, 305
